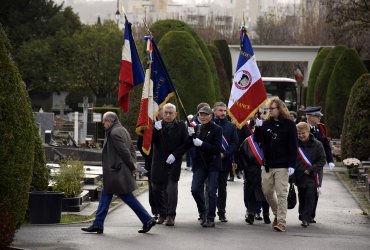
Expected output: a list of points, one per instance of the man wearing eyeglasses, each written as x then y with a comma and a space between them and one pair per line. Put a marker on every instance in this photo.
278, 138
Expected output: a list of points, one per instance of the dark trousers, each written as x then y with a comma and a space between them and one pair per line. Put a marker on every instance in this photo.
306, 197
252, 205
222, 192
165, 196
313, 215
197, 190
152, 201
129, 199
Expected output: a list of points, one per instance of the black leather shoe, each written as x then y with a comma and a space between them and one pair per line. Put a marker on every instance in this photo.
222, 218
266, 219
93, 229
147, 227
209, 224
304, 223
203, 219
258, 217
250, 219
312, 221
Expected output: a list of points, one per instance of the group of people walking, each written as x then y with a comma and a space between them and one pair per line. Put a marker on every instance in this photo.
271, 152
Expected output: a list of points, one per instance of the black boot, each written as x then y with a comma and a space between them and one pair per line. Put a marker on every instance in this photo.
266, 219
250, 219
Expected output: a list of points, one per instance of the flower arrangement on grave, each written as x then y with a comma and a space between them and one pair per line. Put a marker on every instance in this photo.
351, 163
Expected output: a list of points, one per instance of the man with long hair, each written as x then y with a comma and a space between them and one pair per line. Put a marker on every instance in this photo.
278, 138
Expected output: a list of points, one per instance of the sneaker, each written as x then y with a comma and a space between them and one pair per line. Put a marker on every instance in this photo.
222, 218
274, 223
280, 227
93, 229
258, 216
250, 219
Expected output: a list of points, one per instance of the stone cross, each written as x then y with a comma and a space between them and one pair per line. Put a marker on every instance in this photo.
85, 107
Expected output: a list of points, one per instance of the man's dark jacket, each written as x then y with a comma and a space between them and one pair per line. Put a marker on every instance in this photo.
171, 139
280, 152
231, 135
208, 155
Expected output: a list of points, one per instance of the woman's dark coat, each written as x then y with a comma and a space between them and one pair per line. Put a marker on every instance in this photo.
316, 154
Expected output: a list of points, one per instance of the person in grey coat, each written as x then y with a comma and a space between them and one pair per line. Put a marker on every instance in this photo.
118, 160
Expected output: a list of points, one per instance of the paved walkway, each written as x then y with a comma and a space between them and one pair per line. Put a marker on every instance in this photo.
341, 225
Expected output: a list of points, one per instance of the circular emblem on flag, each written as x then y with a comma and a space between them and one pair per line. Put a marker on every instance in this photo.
242, 79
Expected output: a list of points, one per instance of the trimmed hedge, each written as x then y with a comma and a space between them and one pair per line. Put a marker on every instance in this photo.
347, 70
323, 78
222, 87
356, 126
160, 28
315, 70
223, 49
193, 81
16, 147
40, 178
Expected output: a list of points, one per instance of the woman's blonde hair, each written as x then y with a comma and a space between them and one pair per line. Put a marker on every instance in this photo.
283, 110
303, 126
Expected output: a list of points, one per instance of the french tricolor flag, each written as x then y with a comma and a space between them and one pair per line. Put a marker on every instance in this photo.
131, 73
248, 91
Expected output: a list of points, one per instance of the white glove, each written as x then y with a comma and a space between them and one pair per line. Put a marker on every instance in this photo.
291, 171
258, 122
170, 159
191, 131
197, 142
331, 165
158, 125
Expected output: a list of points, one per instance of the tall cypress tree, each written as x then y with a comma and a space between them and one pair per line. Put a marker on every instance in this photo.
348, 69
16, 147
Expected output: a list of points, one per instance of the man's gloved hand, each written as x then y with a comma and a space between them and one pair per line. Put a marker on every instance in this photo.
259, 122
158, 125
197, 142
170, 159
291, 171
331, 165
191, 131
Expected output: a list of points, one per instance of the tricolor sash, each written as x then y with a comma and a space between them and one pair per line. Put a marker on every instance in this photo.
224, 144
306, 161
256, 150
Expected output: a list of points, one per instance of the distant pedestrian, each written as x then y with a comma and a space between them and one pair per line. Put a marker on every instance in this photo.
278, 137
118, 160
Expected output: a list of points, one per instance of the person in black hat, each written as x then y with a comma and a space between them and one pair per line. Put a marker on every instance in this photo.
206, 165
319, 131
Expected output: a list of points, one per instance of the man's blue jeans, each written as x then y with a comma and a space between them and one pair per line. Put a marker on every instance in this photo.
197, 190
129, 199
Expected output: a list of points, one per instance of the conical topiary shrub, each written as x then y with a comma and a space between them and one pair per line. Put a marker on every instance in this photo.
356, 125
193, 80
223, 49
160, 28
322, 80
16, 147
315, 70
347, 70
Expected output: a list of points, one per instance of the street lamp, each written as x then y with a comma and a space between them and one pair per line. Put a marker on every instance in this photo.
118, 14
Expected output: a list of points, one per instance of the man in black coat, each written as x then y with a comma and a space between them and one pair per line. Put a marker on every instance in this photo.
229, 147
206, 165
170, 139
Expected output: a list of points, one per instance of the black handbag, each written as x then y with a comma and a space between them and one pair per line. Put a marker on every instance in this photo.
292, 197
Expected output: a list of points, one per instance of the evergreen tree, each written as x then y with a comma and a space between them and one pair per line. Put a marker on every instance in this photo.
347, 70
322, 81
192, 80
356, 126
16, 147
223, 49
315, 70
